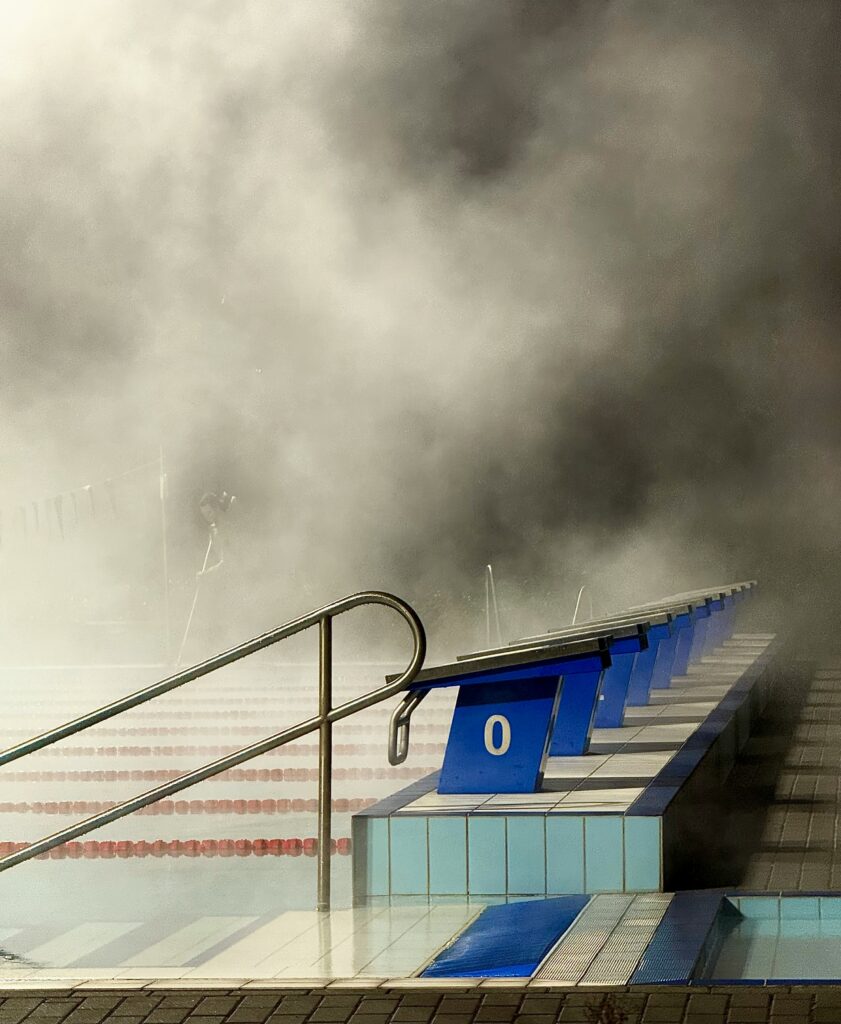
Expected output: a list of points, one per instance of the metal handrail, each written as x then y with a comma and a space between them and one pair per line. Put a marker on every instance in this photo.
323, 722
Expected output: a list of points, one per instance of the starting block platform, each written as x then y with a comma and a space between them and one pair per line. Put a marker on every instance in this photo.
606, 817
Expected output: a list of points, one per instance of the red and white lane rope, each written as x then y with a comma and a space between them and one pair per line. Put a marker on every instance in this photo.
231, 775
290, 750
215, 730
282, 806
93, 850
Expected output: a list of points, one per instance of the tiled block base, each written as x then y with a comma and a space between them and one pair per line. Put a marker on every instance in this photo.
506, 855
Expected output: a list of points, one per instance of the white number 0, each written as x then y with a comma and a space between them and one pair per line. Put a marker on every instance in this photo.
505, 738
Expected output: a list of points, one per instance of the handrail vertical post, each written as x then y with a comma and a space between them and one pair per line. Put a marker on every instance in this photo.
325, 758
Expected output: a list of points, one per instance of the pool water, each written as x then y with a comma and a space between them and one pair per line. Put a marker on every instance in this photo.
759, 938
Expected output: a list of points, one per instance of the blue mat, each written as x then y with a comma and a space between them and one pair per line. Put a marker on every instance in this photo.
508, 940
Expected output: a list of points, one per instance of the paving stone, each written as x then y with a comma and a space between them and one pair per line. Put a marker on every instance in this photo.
668, 1014
828, 997
459, 1004
53, 1009
534, 1018
378, 1004
215, 1006
826, 1015
749, 997
747, 1014
790, 1005
541, 1003
252, 1014
575, 1015
453, 1018
168, 1015
333, 1013
496, 1014
287, 1018
297, 1004
707, 1003
88, 1015
413, 1014
503, 998
15, 1009
185, 1001
136, 1004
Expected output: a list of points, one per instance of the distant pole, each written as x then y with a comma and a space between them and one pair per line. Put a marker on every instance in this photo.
577, 606
490, 597
165, 555
487, 609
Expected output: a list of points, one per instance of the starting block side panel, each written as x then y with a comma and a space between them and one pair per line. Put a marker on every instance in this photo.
576, 714
683, 648
699, 640
640, 682
498, 737
611, 705
661, 676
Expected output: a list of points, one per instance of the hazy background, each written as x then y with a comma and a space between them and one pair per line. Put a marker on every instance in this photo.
553, 285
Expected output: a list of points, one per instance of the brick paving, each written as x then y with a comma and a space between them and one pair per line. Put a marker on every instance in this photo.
461, 1004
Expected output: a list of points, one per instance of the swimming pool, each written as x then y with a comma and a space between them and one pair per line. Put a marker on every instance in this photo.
774, 939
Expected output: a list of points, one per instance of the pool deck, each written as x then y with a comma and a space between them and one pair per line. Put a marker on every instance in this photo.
788, 778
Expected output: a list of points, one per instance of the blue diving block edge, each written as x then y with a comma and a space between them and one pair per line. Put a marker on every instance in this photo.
506, 708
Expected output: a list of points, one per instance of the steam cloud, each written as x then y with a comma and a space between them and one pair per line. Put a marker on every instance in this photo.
429, 285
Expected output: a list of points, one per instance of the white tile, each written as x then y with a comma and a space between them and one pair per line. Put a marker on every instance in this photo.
253, 950
111, 983
188, 942
346, 947
612, 795
541, 799
72, 945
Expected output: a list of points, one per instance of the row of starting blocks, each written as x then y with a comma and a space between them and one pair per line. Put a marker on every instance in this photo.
543, 695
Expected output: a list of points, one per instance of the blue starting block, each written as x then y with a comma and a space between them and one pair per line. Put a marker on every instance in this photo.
506, 709
543, 695
712, 622
627, 637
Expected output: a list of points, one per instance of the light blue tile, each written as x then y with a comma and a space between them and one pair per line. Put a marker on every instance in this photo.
527, 855
486, 855
603, 853
409, 856
801, 908
642, 855
830, 906
759, 906
564, 854
447, 855
377, 871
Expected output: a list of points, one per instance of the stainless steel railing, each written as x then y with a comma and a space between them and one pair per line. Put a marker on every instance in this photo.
322, 722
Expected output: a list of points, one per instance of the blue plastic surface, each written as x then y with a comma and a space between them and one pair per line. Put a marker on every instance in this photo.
576, 714
509, 940
611, 706
498, 737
